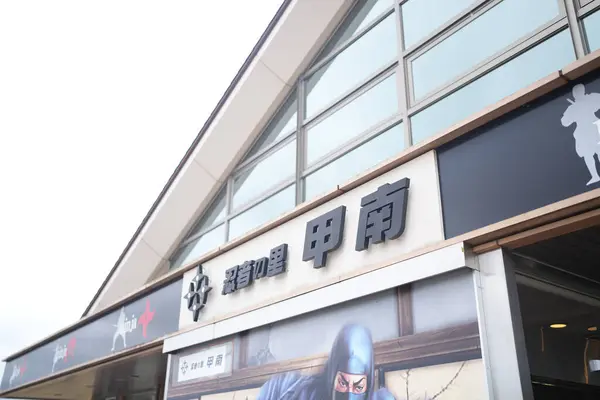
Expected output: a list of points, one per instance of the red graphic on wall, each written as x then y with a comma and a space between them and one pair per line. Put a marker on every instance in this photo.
71, 348
146, 317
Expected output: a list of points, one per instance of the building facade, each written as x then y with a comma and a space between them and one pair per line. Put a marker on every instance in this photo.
393, 200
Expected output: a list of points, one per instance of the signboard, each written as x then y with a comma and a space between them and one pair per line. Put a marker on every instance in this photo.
382, 216
141, 321
542, 153
394, 213
209, 362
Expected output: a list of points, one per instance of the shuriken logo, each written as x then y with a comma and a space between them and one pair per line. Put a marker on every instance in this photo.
146, 317
184, 367
198, 293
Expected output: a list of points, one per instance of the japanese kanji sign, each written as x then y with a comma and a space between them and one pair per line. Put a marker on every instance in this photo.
382, 214
215, 360
243, 275
324, 234
382, 217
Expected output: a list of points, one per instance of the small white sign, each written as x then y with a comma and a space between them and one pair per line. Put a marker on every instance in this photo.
206, 363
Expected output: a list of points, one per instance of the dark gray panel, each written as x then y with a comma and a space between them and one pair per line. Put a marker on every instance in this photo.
141, 321
522, 161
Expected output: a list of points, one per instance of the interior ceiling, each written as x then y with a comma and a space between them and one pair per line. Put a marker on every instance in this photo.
576, 253
139, 373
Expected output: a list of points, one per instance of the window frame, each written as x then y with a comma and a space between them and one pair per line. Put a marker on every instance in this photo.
570, 17
486, 64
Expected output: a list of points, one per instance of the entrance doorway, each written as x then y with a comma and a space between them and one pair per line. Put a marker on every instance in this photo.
558, 284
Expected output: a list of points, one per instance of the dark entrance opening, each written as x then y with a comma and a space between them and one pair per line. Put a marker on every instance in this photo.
558, 282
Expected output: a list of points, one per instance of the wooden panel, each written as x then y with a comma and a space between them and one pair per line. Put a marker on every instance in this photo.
544, 232
405, 314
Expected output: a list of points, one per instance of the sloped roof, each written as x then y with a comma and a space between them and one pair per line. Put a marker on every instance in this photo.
284, 50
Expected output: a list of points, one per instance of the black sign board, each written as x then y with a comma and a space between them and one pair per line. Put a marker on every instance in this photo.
542, 153
141, 321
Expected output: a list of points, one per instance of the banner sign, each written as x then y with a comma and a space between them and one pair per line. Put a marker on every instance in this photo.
141, 321
207, 363
542, 153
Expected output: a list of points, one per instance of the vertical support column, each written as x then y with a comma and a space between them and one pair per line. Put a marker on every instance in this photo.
500, 327
575, 27
167, 375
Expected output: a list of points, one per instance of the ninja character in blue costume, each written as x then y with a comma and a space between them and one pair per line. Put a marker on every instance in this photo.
348, 375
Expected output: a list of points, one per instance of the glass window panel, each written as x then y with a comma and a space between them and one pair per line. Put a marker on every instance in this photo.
263, 212
214, 214
358, 160
491, 32
443, 301
523, 70
591, 26
361, 16
193, 250
356, 117
283, 123
421, 17
352, 66
271, 343
268, 172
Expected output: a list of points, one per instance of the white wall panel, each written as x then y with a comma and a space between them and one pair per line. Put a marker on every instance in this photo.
423, 227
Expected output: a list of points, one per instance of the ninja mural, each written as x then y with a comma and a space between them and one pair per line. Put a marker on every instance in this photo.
349, 373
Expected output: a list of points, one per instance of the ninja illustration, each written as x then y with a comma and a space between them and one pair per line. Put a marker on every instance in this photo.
348, 374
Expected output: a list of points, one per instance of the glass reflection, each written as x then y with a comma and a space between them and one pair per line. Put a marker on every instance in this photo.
491, 32
361, 16
214, 214
421, 17
263, 212
376, 150
591, 25
352, 66
536, 63
193, 250
283, 123
373, 106
268, 172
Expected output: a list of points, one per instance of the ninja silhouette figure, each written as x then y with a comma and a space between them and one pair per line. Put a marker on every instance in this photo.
582, 113
348, 375
121, 329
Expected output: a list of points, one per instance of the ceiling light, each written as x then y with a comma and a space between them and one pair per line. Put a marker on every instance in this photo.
558, 326
592, 328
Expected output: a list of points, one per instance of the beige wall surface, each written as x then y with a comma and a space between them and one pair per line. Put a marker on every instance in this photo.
423, 227
463, 380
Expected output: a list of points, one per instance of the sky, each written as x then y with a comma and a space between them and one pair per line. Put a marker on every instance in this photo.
98, 103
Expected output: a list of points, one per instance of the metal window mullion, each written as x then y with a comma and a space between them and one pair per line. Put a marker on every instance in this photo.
589, 8
265, 196
343, 46
267, 149
552, 25
228, 203
490, 64
574, 27
584, 3
377, 77
448, 28
300, 143
201, 233
402, 77
354, 143
263, 156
